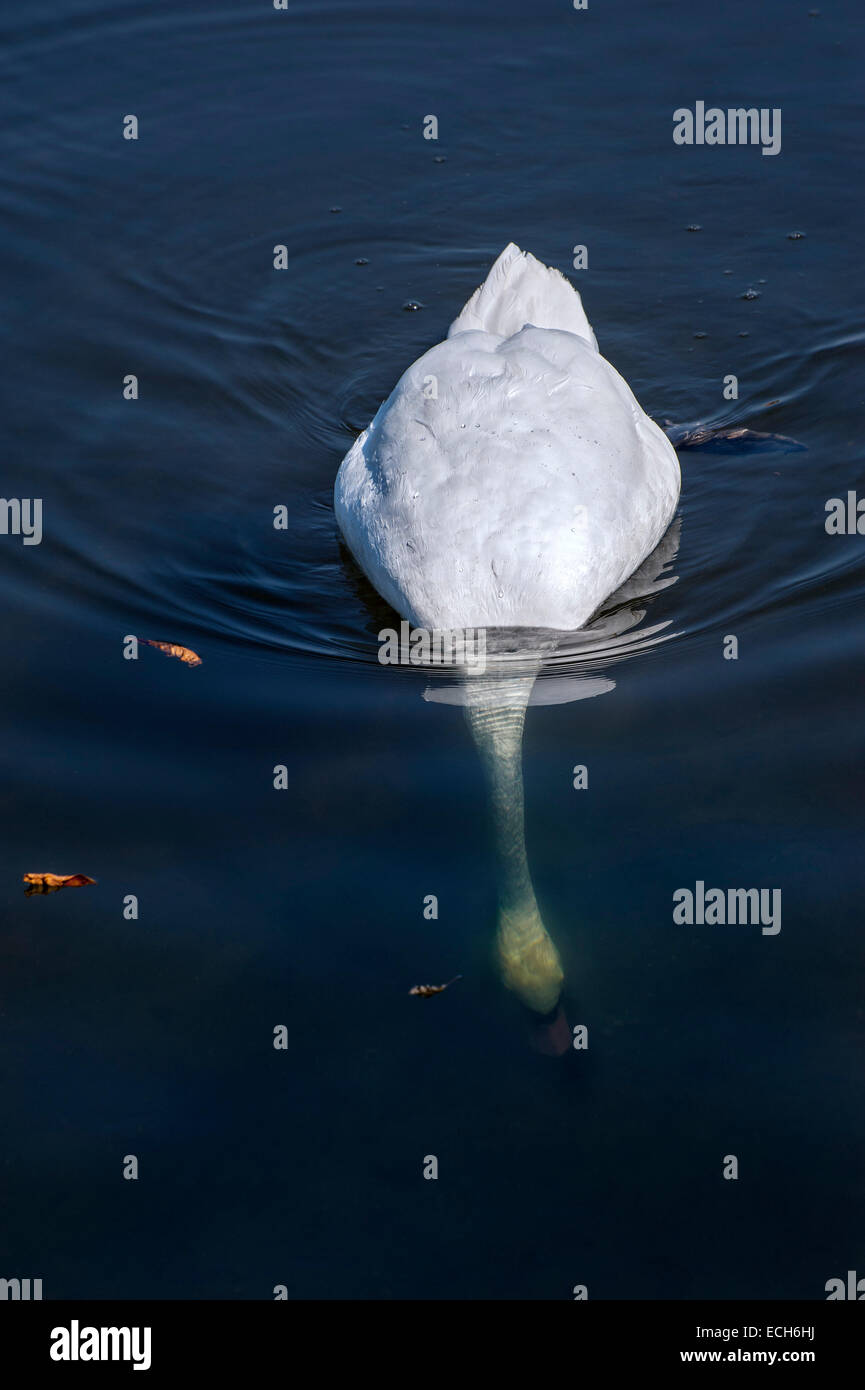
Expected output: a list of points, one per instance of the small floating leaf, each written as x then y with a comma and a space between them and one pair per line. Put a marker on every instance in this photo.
426, 991
49, 883
184, 654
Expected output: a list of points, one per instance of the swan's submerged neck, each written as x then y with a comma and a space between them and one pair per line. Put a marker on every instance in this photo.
496, 711
496, 717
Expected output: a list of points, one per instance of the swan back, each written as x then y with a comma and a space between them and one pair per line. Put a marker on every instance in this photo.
510, 479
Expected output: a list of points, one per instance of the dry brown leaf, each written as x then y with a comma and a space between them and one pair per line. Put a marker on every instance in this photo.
184, 654
49, 883
426, 991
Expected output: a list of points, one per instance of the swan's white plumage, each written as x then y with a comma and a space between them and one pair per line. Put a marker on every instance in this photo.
528, 487
520, 290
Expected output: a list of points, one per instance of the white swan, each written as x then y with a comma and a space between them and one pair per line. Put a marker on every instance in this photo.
510, 480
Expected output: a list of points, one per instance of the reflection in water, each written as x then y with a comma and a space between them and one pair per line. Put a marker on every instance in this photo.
528, 666
495, 705
560, 663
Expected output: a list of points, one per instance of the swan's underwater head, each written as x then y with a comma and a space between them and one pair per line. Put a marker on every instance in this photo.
509, 481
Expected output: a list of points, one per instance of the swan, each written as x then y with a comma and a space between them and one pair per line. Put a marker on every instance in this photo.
510, 483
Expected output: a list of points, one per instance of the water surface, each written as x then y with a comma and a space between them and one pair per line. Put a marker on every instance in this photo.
304, 907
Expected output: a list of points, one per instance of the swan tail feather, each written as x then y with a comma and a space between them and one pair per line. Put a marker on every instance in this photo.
520, 290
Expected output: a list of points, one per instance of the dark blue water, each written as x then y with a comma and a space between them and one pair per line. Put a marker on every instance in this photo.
303, 907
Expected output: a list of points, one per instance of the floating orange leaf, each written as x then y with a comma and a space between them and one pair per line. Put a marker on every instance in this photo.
184, 654
426, 991
49, 883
